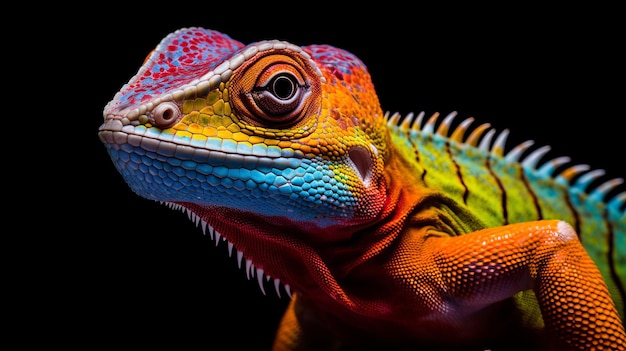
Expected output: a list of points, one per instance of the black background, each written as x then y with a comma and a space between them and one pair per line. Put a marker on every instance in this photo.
136, 273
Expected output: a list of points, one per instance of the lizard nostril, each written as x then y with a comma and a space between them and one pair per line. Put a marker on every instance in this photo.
166, 114
362, 161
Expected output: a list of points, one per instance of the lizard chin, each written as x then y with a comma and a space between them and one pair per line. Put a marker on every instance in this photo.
361, 160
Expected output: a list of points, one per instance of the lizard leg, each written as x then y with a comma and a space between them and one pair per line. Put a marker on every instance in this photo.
546, 256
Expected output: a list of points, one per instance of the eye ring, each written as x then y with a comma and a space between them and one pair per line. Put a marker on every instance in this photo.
166, 114
276, 89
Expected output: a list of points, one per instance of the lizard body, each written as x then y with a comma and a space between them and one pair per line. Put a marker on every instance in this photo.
408, 232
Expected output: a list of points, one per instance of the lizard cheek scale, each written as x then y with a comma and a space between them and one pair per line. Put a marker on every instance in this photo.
390, 231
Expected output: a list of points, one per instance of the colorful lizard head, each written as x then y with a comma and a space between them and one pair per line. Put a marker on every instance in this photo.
247, 137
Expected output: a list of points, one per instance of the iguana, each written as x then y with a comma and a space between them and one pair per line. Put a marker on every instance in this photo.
388, 232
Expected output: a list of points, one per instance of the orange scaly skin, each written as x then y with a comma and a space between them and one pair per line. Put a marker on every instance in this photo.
390, 233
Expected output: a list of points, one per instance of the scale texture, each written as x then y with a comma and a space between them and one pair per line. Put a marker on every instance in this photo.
387, 232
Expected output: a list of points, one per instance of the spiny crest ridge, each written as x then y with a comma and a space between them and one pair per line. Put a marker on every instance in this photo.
577, 177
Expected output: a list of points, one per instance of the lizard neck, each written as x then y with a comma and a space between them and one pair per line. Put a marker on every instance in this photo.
370, 246
367, 292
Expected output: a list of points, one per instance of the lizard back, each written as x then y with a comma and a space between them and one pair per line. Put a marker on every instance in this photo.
516, 186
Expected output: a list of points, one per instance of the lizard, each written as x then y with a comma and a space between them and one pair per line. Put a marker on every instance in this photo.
386, 231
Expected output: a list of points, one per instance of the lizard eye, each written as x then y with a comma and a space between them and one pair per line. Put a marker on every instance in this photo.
284, 87
279, 98
275, 91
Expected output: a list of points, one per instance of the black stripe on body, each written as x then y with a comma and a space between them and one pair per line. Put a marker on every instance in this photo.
417, 157
458, 172
610, 253
576, 216
532, 195
505, 212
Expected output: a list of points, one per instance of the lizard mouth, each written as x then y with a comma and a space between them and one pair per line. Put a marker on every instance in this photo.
361, 160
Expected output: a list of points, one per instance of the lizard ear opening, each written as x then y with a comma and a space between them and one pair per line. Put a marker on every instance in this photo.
361, 161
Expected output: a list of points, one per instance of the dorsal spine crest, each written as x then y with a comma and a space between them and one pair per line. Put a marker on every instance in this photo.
578, 178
